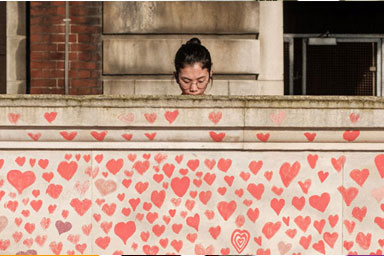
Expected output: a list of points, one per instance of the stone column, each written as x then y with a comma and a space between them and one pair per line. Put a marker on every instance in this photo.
271, 38
16, 48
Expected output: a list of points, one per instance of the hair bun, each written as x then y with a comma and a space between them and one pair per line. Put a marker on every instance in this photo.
194, 40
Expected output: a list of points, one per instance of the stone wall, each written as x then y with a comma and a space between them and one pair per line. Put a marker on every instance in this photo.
245, 39
191, 175
47, 47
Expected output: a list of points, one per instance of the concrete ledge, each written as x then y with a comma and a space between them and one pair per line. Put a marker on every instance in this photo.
181, 17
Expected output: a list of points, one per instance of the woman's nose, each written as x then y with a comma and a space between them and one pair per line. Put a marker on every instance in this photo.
193, 87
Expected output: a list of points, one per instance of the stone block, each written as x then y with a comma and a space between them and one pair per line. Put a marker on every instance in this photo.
16, 87
16, 26
118, 87
16, 50
216, 17
156, 56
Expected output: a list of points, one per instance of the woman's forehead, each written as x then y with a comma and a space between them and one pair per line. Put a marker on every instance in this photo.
194, 69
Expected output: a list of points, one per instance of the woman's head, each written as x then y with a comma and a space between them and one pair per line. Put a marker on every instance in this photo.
193, 67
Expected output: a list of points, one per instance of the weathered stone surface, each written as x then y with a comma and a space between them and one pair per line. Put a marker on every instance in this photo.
156, 56
218, 17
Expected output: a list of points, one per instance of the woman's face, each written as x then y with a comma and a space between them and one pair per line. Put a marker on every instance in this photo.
193, 80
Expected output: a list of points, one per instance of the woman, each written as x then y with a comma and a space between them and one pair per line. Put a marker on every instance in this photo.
193, 68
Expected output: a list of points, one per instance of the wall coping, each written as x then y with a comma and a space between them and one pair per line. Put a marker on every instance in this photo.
184, 101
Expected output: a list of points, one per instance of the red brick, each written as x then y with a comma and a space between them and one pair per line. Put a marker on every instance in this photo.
95, 74
42, 64
84, 38
85, 29
43, 47
52, 90
83, 65
60, 65
83, 47
84, 74
43, 83
83, 83
56, 55
58, 3
86, 20
52, 73
81, 11
36, 55
47, 29
85, 56
36, 74
60, 38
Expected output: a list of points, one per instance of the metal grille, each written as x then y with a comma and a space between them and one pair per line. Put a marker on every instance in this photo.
342, 69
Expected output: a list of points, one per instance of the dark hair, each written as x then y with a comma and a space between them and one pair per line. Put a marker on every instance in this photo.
192, 52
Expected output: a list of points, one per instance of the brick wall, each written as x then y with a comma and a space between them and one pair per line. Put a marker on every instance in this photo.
47, 48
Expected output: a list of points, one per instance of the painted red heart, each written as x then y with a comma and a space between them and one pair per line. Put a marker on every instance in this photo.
350, 136
321, 202
348, 194
322, 175
193, 164
13, 117
270, 229
81, 207
54, 191
263, 137
229, 180
305, 241
224, 164
168, 169
310, 136
380, 222
359, 213
115, 165
35, 136
20, 180
319, 246
305, 185
99, 136
330, 238
67, 170
157, 198
256, 190
333, 219
379, 162
194, 221
56, 247
298, 202
215, 117
50, 116
255, 166
68, 135
338, 163
240, 239
103, 242
141, 166
150, 117
125, 230
312, 160
363, 240
303, 222
277, 205
218, 137
359, 176
288, 172
180, 186
253, 214
171, 116
226, 209
354, 118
